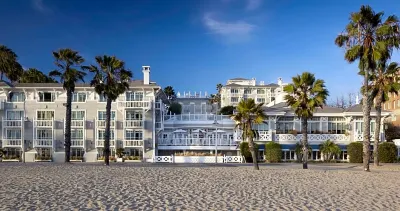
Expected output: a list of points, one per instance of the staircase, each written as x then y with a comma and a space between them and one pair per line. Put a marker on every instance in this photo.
90, 156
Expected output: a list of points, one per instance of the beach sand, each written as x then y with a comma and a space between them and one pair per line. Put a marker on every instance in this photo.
169, 187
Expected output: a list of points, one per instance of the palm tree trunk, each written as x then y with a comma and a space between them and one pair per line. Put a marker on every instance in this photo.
377, 126
107, 133
366, 107
253, 153
304, 142
68, 126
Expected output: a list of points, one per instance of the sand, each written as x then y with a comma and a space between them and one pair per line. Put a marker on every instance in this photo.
169, 187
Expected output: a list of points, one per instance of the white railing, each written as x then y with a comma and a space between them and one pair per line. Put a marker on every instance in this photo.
163, 159
133, 143
12, 142
100, 143
77, 123
12, 123
264, 135
43, 123
197, 117
134, 104
313, 137
102, 123
42, 143
77, 143
195, 142
133, 123
233, 159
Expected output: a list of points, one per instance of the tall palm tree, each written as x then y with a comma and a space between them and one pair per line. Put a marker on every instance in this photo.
33, 75
384, 81
366, 39
329, 149
169, 91
219, 88
249, 113
69, 66
304, 95
9, 65
111, 80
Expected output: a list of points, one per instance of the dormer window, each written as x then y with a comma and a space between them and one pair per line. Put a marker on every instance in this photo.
16, 97
46, 97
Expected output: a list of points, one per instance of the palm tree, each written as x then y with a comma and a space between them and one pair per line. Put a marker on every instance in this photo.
219, 88
111, 80
249, 113
366, 39
329, 149
304, 95
170, 92
68, 63
384, 81
9, 65
33, 75
298, 149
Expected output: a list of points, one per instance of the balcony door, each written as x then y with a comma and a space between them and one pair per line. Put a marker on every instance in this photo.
45, 115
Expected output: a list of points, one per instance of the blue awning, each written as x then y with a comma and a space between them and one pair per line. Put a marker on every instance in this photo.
343, 147
261, 146
288, 146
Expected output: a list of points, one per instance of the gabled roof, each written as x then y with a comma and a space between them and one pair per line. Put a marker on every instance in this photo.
358, 108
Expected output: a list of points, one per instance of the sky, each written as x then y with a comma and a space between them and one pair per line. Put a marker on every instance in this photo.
192, 45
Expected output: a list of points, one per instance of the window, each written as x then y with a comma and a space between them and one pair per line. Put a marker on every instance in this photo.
388, 105
45, 115
336, 125
133, 115
234, 99
102, 98
79, 97
384, 106
13, 133
46, 96
134, 96
260, 100
77, 134
284, 127
261, 127
78, 115
313, 127
247, 91
360, 129
234, 91
133, 135
260, 91
15, 115
44, 134
102, 134
16, 97
102, 115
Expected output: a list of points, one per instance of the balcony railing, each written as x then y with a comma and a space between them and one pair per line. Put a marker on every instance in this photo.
43, 123
77, 123
313, 137
77, 143
9, 142
134, 104
133, 143
133, 123
197, 117
196, 142
43, 143
102, 123
100, 143
12, 123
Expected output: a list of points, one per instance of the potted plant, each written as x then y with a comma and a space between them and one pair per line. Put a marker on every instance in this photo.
120, 154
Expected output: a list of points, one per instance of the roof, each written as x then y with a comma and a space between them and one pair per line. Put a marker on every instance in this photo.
239, 85
134, 83
282, 107
358, 108
235, 79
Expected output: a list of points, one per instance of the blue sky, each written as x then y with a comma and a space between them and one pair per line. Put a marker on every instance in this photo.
192, 44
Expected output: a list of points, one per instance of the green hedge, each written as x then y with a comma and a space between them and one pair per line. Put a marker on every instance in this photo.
387, 152
273, 152
355, 151
244, 151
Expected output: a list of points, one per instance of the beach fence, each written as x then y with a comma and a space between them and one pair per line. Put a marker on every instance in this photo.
198, 159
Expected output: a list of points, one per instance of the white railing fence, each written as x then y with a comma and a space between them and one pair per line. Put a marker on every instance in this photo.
198, 159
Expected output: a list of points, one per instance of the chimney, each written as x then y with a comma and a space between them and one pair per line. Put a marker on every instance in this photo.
357, 100
146, 75
280, 81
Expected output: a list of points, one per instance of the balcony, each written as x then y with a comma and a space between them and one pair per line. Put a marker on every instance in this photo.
102, 123
9, 142
134, 104
133, 123
133, 143
77, 143
196, 142
42, 143
12, 123
43, 123
78, 123
100, 143
312, 137
197, 117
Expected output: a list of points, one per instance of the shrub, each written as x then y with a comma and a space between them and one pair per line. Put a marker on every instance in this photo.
244, 150
273, 152
227, 110
387, 152
355, 151
329, 149
175, 108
